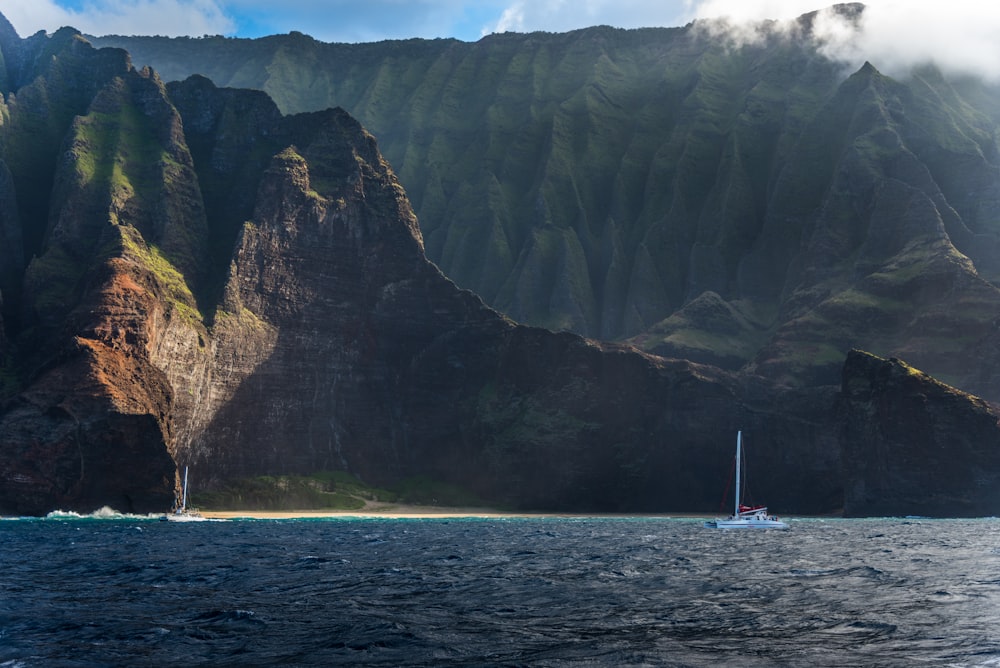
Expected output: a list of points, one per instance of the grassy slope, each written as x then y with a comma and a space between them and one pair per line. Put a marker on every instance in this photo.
326, 490
119, 174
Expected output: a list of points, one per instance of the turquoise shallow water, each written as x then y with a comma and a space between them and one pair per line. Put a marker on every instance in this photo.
477, 592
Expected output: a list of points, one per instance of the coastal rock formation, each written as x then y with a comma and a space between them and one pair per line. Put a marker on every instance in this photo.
204, 281
221, 286
913, 445
337, 345
92, 417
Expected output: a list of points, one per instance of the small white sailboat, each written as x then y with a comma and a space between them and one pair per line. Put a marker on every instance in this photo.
745, 517
181, 512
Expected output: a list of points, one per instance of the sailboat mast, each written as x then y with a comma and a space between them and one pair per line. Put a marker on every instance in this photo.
739, 439
184, 490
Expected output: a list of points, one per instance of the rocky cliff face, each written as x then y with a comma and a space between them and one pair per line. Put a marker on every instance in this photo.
222, 286
759, 208
886, 255
215, 284
337, 345
915, 446
93, 420
11, 245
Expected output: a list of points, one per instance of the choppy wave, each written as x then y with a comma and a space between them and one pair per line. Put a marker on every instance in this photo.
102, 513
548, 592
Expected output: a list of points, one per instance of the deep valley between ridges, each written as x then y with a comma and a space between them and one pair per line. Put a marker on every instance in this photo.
615, 183
198, 280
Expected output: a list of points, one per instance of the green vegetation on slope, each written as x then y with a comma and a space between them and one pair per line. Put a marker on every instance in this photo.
118, 184
602, 180
542, 166
171, 282
327, 490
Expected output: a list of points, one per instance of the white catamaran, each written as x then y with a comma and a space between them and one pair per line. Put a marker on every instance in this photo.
745, 517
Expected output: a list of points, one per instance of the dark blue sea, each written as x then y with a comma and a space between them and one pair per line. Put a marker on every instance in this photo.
125, 591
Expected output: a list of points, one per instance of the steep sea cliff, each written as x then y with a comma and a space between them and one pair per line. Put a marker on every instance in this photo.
204, 281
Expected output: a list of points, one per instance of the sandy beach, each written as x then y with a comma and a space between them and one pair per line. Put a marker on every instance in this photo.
399, 511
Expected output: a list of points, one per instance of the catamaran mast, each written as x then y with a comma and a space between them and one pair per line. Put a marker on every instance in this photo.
736, 512
184, 491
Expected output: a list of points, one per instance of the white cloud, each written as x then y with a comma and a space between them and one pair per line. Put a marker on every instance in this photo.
894, 35
960, 36
511, 20
127, 17
28, 18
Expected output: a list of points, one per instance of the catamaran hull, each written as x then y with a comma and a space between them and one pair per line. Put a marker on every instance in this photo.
184, 517
745, 524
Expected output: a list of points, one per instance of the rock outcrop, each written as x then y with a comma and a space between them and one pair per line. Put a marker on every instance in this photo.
913, 445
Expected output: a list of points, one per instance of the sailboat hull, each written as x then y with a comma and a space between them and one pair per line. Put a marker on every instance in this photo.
186, 516
745, 524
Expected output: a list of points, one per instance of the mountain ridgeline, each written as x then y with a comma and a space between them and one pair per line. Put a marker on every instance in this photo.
188, 276
755, 207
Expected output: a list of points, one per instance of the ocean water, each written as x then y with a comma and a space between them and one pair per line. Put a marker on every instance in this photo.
498, 592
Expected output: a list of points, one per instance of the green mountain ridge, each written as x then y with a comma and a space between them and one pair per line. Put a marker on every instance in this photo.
609, 182
195, 279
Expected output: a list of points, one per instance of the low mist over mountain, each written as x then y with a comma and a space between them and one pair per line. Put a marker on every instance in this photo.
191, 277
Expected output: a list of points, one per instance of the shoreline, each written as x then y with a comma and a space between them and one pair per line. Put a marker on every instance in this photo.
399, 511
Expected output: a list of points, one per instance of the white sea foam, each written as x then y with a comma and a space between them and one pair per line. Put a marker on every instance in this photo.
102, 513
